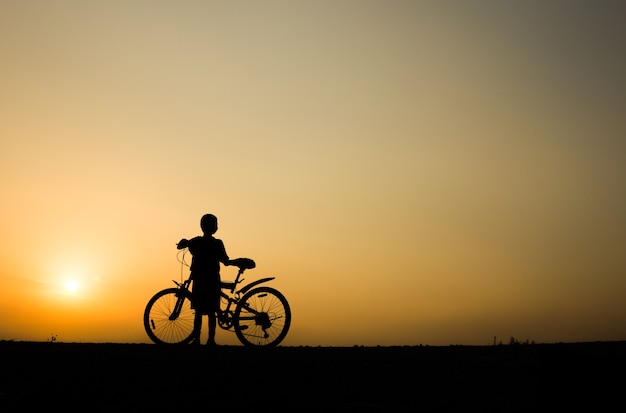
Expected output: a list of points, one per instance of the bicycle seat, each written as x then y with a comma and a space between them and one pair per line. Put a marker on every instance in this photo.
243, 263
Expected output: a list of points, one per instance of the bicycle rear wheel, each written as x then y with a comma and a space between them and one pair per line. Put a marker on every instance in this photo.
160, 321
262, 317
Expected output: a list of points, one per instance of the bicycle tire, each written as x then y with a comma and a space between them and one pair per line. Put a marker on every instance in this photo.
262, 318
156, 318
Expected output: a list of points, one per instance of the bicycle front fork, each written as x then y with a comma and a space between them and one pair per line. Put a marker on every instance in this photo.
177, 307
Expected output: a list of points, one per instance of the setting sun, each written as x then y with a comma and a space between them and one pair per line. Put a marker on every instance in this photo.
71, 285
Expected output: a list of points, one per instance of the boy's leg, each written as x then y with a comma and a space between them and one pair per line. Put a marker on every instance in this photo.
215, 307
197, 326
212, 327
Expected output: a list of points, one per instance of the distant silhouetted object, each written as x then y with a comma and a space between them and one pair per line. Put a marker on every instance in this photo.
207, 254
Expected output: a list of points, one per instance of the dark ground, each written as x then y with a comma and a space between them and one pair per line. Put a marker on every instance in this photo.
144, 377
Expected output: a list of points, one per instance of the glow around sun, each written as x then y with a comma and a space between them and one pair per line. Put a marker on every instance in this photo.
71, 285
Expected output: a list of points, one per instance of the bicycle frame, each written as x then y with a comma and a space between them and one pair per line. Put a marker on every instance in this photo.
225, 315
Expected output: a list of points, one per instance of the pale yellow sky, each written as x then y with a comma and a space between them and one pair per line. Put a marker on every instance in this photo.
411, 172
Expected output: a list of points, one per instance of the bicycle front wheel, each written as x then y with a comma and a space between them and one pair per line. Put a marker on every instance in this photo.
262, 317
168, 318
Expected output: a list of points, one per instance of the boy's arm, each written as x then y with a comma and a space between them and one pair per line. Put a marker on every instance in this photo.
183, 243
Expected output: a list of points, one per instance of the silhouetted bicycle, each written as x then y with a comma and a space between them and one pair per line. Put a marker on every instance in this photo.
259, 315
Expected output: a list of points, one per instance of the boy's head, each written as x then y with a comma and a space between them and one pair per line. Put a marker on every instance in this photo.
208, 223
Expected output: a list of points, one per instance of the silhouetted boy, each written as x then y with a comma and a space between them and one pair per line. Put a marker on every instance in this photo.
207, 253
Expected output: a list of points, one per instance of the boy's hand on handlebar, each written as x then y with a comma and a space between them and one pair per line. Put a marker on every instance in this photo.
183, 243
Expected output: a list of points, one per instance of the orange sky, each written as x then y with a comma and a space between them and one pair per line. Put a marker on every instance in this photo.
411, 172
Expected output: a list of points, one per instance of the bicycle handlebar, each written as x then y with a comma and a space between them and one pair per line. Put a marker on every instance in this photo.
242, 263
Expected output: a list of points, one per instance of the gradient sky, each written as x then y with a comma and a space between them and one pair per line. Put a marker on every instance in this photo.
411, 172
